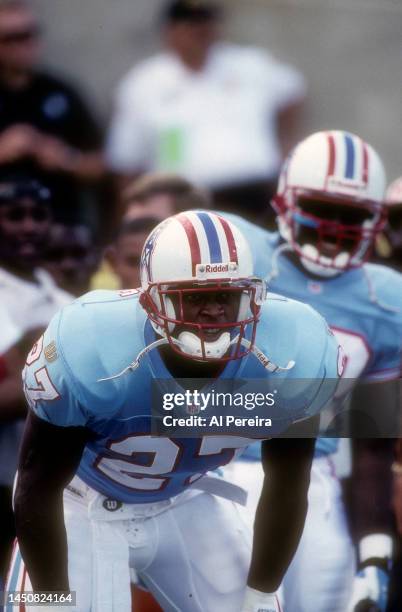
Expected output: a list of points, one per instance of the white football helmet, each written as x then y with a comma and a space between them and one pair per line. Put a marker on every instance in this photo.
198, 252
330, 201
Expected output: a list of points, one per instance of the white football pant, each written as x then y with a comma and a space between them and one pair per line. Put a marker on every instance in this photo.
192, 552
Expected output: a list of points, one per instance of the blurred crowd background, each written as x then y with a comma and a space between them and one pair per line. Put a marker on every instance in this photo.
348, 50
94, 95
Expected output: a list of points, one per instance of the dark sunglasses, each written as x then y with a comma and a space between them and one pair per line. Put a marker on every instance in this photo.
16, 214
20, 36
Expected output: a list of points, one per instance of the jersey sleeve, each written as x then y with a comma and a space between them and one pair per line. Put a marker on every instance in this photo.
386, 312
48, 384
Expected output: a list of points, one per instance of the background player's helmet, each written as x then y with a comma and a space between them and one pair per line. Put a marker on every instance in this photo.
199, 251
330, 201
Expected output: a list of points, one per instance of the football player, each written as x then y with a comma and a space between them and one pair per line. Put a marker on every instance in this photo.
329, 204
143, 501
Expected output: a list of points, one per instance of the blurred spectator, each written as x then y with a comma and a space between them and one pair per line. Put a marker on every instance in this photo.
44, 124
220, 114
161, 195
124, 255
30, 299
389, 243
71, 257
152, 197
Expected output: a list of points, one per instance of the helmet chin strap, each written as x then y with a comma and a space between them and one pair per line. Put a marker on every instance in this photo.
265, 361
262, 358
225, 343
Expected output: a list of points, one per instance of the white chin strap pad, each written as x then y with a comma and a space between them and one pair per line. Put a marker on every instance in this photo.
191, 344
321, 265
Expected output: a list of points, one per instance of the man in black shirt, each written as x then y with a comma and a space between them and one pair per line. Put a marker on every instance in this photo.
44, 125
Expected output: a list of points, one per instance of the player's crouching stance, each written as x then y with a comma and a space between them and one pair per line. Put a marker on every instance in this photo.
140, 501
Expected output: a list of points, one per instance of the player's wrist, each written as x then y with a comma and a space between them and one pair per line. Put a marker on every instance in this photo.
375, 550
257, 601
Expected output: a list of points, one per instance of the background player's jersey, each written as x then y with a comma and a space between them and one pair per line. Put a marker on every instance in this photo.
100, 334
363, 307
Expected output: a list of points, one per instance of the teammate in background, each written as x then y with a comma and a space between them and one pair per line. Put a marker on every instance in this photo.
220, 114
389, 243
330, 209
142, 500
29, 298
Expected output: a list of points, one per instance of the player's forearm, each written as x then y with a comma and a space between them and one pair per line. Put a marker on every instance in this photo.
278, 526
42, 538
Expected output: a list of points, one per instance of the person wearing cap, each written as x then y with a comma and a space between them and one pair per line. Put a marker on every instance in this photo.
220, 114
29, 299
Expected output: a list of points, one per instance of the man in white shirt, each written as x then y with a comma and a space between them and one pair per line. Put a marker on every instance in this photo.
29, 298
220, 114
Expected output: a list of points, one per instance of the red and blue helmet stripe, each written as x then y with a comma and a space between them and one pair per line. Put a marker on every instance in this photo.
347, 157
210, 238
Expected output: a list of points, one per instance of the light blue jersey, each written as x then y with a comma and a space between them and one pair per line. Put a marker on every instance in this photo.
363, 306
100, 334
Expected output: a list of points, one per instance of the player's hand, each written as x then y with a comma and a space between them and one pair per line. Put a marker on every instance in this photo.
370, 590
17, 141
256, 601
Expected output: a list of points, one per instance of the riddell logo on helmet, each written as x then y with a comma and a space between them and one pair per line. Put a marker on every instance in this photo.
216, 268
203, 270
345, 184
